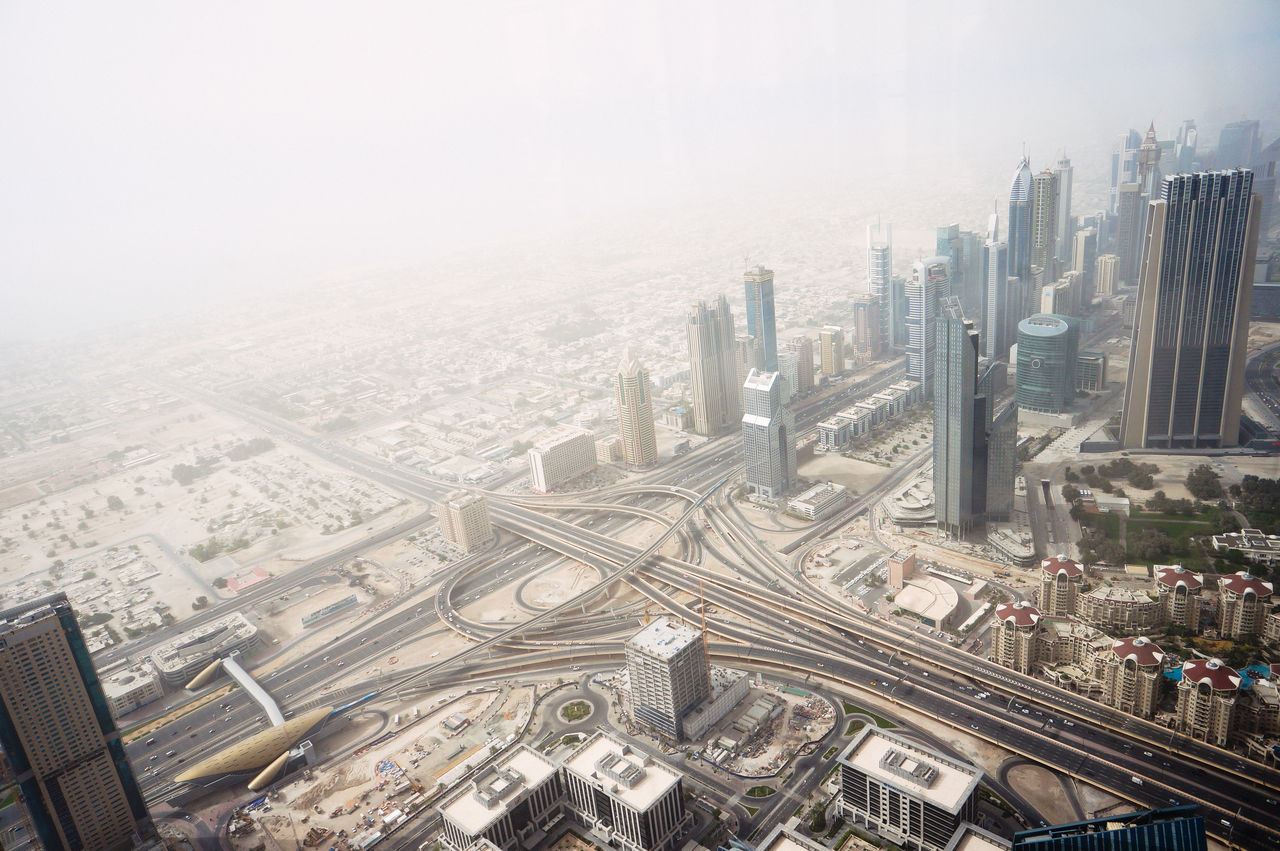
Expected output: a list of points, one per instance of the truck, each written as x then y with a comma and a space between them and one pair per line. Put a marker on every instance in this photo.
1135, 779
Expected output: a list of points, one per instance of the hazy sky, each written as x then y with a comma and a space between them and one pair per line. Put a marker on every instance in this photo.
159, 154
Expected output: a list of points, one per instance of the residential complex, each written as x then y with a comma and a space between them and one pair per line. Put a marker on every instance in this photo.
559, 456
464, 521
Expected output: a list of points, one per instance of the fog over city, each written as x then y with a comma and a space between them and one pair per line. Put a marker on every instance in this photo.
650, 426
160, 155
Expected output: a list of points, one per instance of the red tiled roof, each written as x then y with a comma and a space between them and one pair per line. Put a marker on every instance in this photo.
1213, 671
1174, 575
1062, 564
1142, 650
1245, 582
1020, 613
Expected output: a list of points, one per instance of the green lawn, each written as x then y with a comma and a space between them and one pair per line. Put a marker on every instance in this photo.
760, 791
751, 810
576, 711
854, 709
854, 726
831, 751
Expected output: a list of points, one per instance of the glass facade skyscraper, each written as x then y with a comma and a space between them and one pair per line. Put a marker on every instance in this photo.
712, 372
1020, 223
1046, 381
959, 426
1187, 355
930, 283
760, 319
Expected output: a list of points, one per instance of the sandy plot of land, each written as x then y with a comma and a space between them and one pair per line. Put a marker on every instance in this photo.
1041, 789
857, 476
561, 583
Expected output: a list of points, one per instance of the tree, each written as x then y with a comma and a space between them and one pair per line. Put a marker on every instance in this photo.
1203, 483
220, 583
1070, 493
115, 503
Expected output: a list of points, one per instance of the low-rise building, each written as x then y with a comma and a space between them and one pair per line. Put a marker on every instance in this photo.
513, 804
1115, 609
609, 450
906, 792
1091, 371
185, 655
1207, 694
129, 687
1255, 545
1179, 592
628, 799
820, 501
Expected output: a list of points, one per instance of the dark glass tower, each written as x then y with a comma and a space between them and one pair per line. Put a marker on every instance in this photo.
64, 750
1187, 358
760, 322
960, 419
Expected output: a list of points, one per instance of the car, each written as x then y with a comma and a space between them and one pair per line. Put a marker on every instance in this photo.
1148, 754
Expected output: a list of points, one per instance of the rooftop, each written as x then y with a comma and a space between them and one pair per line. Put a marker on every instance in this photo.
783, 838
1174, 575
476, 805
1060, 564
916, 770
1246, 583
1212, 671
634, 778
928, 597
1141, 650
1020, 613
664, 638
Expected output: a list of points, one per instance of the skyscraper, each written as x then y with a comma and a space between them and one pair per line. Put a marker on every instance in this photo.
959, 426
712, 373
64, 750
789, 368
1124, 166
866, 327
995, 292
760, 319
1084, 258
880, 277
1046, 381
1063, 240
1020, 222
930, 282
768, 436
1237, 145
1128, 232
1105, 272
1187, 355
464, 521
1044, 220
746, 357
1185, 149
635, 413
831, 343
802, 347
667, 666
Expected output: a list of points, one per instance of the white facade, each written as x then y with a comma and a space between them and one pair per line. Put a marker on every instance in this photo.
560, 456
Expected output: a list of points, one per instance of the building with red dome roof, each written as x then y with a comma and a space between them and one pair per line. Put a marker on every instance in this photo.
1131, 675
1179, 593
1207, 696
1243, 603
1014, 644
1060, 581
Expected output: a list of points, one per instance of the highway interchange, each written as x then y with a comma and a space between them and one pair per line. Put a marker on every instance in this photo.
771, 620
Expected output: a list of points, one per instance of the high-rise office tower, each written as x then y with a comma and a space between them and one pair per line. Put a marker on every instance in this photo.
930, 283
831, 343
1002, 460
746, 357
802, 348
1187, 355
866, 327
1046, 381
995, 293
1128, 232
713, 376
1185, 149
1237, 145
788, 368
1063, 240
64, 750
635, 413
1084, 258
898, 298
768, 436
959, 426
1124, 166
1106, 273
667, 666
464, 521
964, 249
760, 318
1044, 220
880, 277
1020, 222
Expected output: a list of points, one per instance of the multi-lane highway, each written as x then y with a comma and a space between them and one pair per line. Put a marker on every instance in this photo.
771, 621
